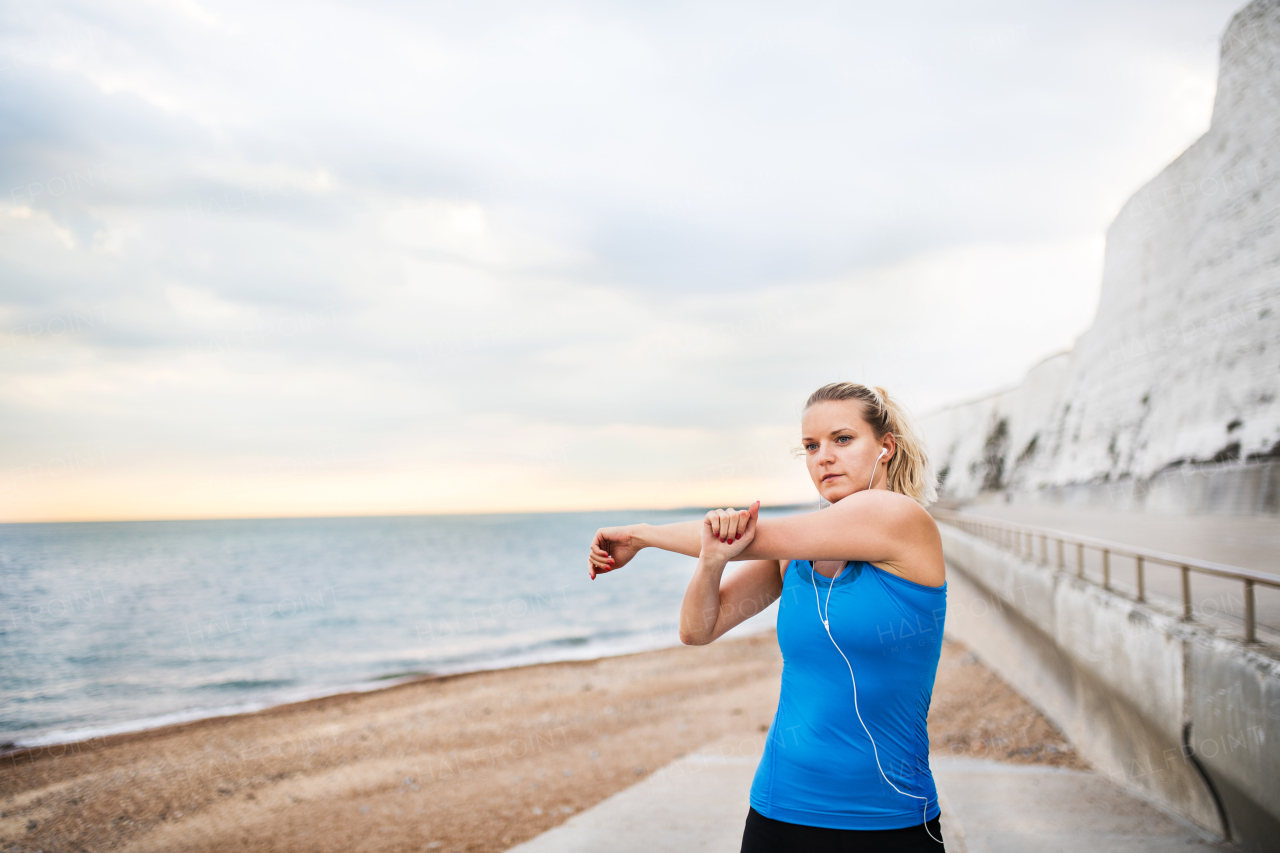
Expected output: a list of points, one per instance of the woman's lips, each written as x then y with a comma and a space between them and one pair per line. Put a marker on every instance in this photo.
831, 477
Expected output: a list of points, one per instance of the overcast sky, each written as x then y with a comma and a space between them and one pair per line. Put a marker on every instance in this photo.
352, 258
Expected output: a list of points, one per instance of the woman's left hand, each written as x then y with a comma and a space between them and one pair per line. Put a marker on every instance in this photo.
727, 532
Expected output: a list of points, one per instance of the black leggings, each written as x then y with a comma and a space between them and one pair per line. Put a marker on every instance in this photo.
766, 835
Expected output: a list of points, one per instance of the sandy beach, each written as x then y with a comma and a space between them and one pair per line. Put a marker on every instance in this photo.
475, 762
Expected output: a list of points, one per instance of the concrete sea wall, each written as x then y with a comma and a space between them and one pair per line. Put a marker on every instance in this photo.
1165, 708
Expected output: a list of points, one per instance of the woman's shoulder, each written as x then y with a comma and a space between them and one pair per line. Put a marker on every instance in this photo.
897, 502
916, 543
893, 510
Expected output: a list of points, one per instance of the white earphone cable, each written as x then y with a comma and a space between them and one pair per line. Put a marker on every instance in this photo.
826, 623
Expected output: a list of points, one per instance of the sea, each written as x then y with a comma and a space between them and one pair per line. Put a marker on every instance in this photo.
109, 627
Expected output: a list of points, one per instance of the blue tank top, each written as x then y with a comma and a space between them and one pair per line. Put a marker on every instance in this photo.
818, 768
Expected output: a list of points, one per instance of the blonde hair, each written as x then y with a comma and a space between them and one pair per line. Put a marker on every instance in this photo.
910, 472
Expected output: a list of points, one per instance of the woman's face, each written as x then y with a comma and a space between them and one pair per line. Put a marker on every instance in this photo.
841, 448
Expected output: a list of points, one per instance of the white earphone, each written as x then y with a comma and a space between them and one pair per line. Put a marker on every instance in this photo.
826, 623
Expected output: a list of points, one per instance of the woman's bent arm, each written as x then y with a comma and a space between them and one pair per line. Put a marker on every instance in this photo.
712, 606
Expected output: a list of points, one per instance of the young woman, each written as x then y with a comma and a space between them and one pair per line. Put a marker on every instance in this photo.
863, 597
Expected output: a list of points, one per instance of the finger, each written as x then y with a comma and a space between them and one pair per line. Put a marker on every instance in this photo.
735, 527
713, 518
744, 519
726, 523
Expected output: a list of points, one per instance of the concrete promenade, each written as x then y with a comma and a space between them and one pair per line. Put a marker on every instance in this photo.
1250, 542
699, 803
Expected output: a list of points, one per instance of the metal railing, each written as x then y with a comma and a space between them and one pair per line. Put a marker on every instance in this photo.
1021, 539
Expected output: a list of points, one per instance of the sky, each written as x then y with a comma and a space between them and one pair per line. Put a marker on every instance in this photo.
334, 258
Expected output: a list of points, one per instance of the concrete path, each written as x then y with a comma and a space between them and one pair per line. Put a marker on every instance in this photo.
1251, 542
1009, 808
699, 803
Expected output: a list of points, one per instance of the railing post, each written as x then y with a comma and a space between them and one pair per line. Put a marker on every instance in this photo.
1106, 568
1142, 586
1079, 559
1061, 563
1186, 593
1250, 623
1044, 548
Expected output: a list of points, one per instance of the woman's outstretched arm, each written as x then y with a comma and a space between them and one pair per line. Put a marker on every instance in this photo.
613, 547
875, 525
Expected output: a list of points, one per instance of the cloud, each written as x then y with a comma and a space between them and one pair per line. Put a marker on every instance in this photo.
590, 246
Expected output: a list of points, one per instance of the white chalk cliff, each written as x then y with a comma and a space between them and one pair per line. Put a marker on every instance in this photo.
1181, 367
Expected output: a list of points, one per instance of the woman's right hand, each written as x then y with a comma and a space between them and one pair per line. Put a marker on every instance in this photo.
726, 533
612, 548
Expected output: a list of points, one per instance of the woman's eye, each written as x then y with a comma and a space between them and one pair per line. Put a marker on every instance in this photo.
844, 439
811, 447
